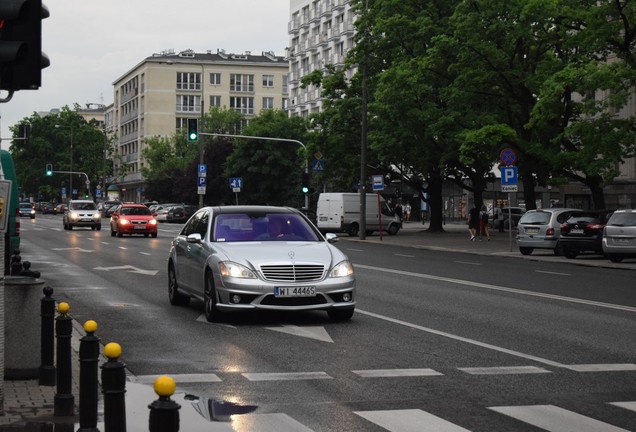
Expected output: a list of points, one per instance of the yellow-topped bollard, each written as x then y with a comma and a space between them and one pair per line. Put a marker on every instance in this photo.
164, 412
112, 350
63, 308
165, 386
90, 326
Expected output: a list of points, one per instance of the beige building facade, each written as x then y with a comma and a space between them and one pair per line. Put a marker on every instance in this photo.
157, 97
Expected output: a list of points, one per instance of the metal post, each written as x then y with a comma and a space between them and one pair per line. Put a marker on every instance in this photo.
114, 389
47, 338
164, 412
64, 400
88, 392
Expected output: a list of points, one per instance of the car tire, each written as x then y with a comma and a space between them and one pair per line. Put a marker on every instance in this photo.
119, 234
558, 250
175, 297
393, 229
353, 230
70, 227
615, 258
112, 233
340, 314
526, 250
569, 253
98, 227
210, 311
154, 235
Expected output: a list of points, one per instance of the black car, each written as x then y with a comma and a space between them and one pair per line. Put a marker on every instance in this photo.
583, 231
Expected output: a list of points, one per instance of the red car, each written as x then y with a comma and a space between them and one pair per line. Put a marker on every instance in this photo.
132, 219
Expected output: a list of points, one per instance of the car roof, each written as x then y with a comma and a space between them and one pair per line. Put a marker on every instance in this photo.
132, 205
252, 208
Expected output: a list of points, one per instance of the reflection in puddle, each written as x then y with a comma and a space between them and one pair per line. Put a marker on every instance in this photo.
215, 410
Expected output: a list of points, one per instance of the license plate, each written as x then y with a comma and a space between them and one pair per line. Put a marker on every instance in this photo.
86, 220
140, 227
323, 218
622, 241
307, 291
532, 230
576, 231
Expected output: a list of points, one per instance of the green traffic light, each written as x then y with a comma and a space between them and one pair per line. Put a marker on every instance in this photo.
305, 189
193, 136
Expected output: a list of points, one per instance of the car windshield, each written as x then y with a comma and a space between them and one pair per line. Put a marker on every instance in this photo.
82, 206
241, 227
583, 218
135, 211
623, 219
25, 205
535, 218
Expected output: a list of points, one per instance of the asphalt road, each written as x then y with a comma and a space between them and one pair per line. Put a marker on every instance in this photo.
441, 341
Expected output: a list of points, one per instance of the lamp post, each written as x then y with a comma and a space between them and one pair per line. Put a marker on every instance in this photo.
71, 167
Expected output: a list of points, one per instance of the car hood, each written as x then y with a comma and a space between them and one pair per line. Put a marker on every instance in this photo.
256, 254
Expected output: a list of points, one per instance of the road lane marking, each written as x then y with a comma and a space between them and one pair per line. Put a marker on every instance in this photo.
355, 250
315, 332
286, 376
390, 373
181, 378
553, 273
409, 420
145, 253
616, 367
468, 263
555, 419
498, 288
627, 405
405, 256
504, 370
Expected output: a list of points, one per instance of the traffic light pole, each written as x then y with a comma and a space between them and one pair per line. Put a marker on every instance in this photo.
268, 139
88, 182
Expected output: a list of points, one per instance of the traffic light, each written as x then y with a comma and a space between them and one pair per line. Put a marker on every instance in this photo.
193, 129
49, 170
21, 57
305, 183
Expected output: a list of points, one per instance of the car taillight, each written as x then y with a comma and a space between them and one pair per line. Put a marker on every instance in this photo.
564, 228
549, 232
595, 227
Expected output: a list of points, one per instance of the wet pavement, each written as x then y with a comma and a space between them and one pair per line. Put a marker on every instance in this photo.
29, 407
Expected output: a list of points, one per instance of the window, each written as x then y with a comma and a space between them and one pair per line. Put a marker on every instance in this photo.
187, 103
215, 79
241, 83
285, 84
268, 80
215, 101
188, 81
268, 103
243, 105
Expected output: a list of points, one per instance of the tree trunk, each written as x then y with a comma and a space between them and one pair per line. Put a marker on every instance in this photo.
435, 204
598, 197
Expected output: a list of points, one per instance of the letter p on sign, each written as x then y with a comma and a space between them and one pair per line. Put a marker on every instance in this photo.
509, 175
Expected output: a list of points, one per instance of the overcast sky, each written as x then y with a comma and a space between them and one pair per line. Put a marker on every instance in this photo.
92, 43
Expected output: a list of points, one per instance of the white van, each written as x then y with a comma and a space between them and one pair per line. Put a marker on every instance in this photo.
340, 212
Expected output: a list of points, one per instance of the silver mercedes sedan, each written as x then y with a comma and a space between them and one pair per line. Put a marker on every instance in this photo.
237, 258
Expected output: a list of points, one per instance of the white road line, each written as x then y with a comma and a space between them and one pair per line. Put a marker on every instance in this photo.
145, 253
183, 378
616, 367
405, 256
355, 250
289, 376
553, 273
468, 263
555, 419
275, 422
498, 288
627, 405
504, 370
412, 420
122, 247
386, 373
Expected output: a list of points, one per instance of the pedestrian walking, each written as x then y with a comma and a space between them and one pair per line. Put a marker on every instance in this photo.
473, 222
483, 223
499, 216
398, 212
407, 212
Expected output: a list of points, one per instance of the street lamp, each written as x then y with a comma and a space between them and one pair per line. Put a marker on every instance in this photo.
71, 167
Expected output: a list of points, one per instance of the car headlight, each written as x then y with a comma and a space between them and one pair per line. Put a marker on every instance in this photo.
152, 222
342, 269
123, 221
73, 215
231, 269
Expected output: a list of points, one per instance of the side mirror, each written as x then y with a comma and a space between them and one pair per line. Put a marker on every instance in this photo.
331, 237
194, 238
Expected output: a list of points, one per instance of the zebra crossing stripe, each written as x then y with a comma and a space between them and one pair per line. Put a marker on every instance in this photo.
412, 420
609, 367
286, 376
181, 378
267, 423
504, 370
386, 373
627, 405
555, 419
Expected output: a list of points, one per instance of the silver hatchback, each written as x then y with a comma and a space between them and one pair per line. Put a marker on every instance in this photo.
541, 229
241, 258
619, 235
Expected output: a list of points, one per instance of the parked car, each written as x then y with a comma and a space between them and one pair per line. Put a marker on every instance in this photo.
619, 235
25, 209
583, 231
541, 229
230, 258
132, 219
106, 207
176, 214
45, 208
161, 211
82, 213
512, 214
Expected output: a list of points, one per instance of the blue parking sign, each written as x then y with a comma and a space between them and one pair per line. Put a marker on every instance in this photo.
509, 175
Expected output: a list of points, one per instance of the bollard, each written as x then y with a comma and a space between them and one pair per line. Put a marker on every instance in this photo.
16, 263
64, 401
164, 412
114, 389
46, 375
88, 392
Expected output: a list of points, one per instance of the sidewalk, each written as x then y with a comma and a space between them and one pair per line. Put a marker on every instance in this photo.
28, 405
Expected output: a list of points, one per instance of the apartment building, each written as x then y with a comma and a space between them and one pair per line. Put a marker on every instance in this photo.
157, 97
320, 32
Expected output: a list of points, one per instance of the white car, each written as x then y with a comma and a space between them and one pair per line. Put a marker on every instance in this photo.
82, 213
541, 229
241, 258
619, 235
